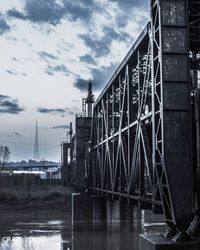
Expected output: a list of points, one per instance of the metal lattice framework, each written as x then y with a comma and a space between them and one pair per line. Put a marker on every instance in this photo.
122, 128
141, 141
145, 133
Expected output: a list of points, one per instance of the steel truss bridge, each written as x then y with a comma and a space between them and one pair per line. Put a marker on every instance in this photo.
145, 127
145, 135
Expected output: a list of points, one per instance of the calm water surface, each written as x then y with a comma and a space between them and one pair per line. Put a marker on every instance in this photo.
52, 230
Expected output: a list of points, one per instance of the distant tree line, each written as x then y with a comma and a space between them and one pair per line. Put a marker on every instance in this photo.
4, 155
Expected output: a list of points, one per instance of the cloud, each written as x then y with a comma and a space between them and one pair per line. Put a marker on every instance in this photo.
2, 97
4, 27
13, 134
51, 70
98, 47
17, 134
110, 34
47, 56
61, 127
16, 14
15, 59
59, 111
71, 112
100, 77
134, 11
10, 72
81, 84
87, 59
101, 47
50, 111
127, 4
81, 10
44, 11
8, 105
52, 12
47, 11
15, 73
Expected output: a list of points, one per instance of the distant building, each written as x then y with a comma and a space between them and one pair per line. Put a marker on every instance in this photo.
40, 174
52, 170
75, 152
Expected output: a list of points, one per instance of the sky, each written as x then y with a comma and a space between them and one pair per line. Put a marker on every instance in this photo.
49, 50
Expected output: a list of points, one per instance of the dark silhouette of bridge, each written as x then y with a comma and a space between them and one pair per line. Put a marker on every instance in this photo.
144, 145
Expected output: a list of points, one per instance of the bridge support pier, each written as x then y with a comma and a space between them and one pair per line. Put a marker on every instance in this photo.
88, 211
95, 212
159, 242
119, 214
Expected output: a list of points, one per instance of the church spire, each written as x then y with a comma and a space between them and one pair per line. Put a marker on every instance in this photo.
36, 153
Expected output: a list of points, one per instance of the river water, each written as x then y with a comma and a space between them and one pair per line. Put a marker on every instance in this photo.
52, 230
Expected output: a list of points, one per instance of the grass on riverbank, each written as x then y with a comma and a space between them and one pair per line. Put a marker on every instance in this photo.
43, 196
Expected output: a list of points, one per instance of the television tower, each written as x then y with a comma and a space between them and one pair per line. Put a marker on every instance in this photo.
36, 153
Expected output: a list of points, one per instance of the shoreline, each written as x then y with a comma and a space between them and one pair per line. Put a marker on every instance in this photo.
38, 204
47, 198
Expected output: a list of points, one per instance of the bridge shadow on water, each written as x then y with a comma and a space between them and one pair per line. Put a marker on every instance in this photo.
52, 230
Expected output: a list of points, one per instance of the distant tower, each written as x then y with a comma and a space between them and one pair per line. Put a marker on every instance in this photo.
36, 153
70, 131
89, 100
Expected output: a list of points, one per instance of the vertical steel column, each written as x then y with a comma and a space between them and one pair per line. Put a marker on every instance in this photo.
172, 144
119, 163
194, 39
113, 130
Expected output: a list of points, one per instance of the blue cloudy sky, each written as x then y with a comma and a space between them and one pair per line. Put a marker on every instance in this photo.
49, 49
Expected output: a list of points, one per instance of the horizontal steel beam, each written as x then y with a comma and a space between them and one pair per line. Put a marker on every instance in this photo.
128, 196
133, 124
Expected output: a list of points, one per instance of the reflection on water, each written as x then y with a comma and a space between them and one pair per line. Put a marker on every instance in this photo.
33, 242
51, 230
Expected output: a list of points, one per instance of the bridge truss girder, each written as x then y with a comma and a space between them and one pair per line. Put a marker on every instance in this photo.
141, 141
121, 149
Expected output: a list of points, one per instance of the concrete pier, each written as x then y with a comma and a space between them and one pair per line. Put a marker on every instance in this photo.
96, 212
88, 211
119, 214
159, 242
